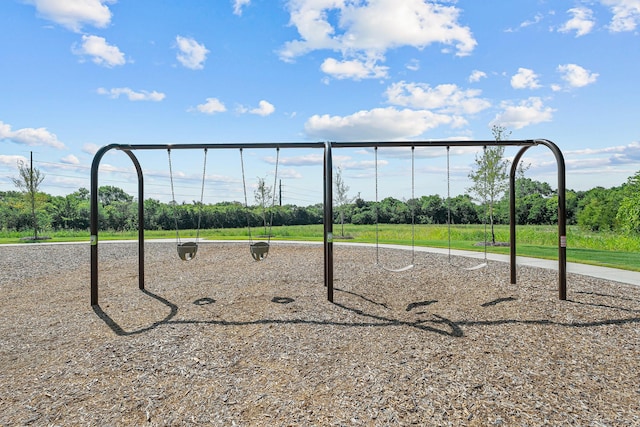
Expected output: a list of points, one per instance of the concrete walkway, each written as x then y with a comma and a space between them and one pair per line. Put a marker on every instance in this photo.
613, 274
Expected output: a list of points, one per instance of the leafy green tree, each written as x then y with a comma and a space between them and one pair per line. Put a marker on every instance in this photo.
599, 209
28, 182
108, 194
431, 210
628, 216
463, 210
490, 177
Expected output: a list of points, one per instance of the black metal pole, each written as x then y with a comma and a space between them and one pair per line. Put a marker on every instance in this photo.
93, 220
328, 221
562, 218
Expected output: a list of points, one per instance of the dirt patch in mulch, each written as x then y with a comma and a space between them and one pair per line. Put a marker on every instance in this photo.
225, 340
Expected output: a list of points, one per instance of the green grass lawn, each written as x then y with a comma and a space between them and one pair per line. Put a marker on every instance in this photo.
603, 249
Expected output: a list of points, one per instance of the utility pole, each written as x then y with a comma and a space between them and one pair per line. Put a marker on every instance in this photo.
280, 196
33, 198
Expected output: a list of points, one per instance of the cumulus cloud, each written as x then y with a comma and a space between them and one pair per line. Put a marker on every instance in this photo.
212, 106
369, 29
446, 98
525, 79
102, 53
131, 94
238, 5
476, 75
191, 54
264, 108
576, 76
626, 14
528, 112
353, 69
582, 22
32, 137
377, 124
74, 14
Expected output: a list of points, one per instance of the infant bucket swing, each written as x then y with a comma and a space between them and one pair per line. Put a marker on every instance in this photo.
187, 250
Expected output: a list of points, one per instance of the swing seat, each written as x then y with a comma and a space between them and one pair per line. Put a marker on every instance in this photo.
396, 270
477, 267
259, 250
187, 251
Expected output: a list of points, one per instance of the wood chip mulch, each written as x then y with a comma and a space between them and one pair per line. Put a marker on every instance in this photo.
224, 340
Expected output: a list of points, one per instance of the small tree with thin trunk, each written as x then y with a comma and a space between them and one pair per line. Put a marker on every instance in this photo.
341, 198
262, 195
28, 182
490, 177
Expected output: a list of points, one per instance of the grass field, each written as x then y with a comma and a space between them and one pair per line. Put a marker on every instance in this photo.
603, 249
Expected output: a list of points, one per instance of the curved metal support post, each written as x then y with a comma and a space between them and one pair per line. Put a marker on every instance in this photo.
562, 215
94, 217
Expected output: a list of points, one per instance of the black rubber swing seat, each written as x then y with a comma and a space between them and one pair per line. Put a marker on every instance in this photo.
259, 250
187, 251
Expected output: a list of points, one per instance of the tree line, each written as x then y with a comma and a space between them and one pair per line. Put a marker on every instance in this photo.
598, 209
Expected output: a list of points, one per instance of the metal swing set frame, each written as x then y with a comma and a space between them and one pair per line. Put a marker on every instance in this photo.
129, 150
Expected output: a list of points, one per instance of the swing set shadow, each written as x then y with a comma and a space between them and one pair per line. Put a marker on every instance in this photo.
435, 324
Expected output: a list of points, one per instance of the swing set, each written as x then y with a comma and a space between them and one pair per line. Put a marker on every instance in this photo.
259, 250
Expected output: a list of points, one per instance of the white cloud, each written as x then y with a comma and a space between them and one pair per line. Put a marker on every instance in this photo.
102, 52
74, 14
90, 148
527, 112
131, 94
536, 19
369, 29
413, 65
306, 160
525, 79
238, 5
353, 69
476, 75
32, 137
582, 22
447, 98
626, 14
576, 76
212, 106
191, 53
11, 160
378, 124
264, 109
70, 160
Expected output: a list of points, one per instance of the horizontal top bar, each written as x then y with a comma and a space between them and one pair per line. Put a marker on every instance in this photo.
225, 145
444, 143
339, 144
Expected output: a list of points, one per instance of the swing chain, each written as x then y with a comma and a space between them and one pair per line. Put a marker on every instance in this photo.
201, 207
173, 197
273, 199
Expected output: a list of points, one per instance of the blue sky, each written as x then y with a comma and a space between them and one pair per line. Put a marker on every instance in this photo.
80, 74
